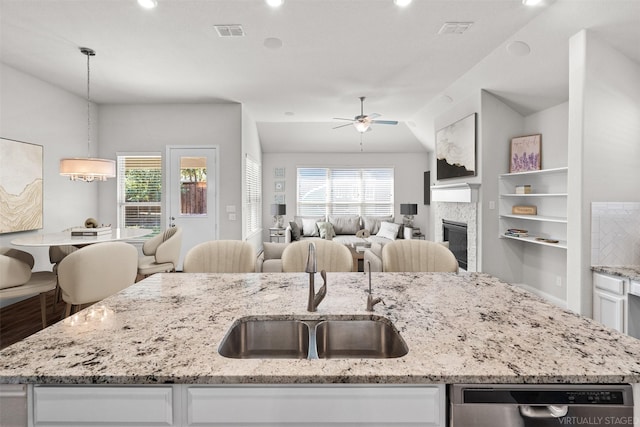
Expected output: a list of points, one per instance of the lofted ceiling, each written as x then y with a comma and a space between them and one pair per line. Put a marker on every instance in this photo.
301, 65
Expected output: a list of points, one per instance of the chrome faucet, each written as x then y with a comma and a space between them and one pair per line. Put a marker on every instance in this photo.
312, 269
371, 301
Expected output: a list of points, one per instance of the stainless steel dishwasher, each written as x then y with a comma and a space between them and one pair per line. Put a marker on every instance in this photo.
516, 405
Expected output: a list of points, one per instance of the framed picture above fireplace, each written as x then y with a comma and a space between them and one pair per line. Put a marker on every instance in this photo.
456, 149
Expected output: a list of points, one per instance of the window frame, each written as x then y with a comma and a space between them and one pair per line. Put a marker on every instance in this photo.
120, 192
330, 205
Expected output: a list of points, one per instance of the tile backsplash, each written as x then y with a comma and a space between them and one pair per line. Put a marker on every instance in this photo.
615, 233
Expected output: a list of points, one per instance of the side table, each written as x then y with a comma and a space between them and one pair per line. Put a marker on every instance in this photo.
275, 234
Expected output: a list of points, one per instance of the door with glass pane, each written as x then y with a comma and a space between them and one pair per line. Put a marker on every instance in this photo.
191, 194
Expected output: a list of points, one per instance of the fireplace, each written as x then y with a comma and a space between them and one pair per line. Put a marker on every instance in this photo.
456, 234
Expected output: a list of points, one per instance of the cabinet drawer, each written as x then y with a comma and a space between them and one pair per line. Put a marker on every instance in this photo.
609, 283
84, 406
324, 405
634, 288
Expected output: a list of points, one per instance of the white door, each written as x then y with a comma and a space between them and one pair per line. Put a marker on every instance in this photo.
192, 194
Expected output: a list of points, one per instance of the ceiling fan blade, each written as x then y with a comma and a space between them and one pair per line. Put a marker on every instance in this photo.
340, 118
341, 126
385, 122
374, 115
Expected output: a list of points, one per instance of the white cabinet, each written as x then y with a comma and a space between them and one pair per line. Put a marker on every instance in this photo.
610, 301
240, 405
326, 405
76, 406
548, 195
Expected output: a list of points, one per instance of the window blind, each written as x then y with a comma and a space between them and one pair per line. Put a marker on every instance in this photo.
335, 191
140, 191
253, 179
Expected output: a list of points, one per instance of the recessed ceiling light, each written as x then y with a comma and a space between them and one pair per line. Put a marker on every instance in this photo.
272, 43
148, 4
518, 48
402, 3
531, 2
289, 113
275, 3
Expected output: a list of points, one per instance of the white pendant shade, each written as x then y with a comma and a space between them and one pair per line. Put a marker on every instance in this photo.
88, 169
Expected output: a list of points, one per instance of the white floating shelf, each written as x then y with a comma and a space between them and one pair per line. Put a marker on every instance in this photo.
543, 218
457, 193
562, 244
535, 195
538, 172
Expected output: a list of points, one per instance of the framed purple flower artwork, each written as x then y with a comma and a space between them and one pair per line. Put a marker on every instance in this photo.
525, 153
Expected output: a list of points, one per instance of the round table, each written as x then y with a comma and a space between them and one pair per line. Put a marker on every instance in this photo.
64, 238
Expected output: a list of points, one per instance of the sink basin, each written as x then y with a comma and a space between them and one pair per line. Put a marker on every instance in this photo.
266, 339
359, 339
312, 339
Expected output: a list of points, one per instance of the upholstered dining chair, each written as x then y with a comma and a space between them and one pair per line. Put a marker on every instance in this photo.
95, 272
220, 256
17, 279
331, 256
161, 252
417, 255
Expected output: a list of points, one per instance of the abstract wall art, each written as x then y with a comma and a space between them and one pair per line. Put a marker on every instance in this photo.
21, 186
456, 149
525, 153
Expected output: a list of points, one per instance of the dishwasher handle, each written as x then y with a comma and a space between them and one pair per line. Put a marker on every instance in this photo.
550, 411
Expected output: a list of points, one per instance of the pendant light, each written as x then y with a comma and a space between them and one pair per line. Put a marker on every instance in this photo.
88, 169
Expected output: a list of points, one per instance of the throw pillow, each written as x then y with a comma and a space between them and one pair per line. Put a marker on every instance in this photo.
388, 230
326, 230
400, 231
372, 223
345, 224
309, 227
273, 250
295, 231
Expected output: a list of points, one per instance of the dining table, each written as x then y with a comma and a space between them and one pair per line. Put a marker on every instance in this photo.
65, 238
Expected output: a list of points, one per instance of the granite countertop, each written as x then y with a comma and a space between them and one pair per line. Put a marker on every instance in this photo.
630, 271
466, 328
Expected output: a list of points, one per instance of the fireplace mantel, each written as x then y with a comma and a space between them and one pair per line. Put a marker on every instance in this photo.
463, 192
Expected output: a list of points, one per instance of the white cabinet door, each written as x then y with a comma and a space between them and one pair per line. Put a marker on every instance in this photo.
102, 405
340, 405
609, 309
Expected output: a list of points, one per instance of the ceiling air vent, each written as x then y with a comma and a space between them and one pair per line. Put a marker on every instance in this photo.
234, 30
455, 27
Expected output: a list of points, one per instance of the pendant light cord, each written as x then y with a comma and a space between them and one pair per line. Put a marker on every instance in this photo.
88, 106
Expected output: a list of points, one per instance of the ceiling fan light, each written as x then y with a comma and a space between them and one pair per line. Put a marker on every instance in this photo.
148, 4
402, 3
531, 2
361, 126
275, 3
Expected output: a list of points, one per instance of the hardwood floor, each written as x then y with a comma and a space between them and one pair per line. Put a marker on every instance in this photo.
22, 319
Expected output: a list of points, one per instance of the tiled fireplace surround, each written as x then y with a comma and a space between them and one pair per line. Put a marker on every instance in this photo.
460, 212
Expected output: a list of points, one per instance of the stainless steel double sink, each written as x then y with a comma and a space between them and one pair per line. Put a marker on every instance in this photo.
312, 339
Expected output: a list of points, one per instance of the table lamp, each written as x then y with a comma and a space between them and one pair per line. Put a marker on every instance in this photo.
408, 210
278, 210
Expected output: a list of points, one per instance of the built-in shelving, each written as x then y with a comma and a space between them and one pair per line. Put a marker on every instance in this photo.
549, 196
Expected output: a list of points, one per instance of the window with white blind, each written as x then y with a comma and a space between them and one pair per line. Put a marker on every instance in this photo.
253, 196
140, 191
334, 191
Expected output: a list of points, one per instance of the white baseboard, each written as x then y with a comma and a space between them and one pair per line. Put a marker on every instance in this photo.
552, 299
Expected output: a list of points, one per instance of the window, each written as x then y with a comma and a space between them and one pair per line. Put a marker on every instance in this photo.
253, 196
334, 191
140, 191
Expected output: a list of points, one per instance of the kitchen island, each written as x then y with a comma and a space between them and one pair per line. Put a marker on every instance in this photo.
459, 328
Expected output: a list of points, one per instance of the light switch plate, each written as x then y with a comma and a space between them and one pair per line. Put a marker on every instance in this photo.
231, 208
232, 217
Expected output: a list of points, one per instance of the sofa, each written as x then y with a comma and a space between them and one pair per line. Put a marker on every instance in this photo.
346, 229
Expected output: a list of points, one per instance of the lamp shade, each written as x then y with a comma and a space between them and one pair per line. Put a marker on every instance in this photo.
278, 209
409, 209
88, 169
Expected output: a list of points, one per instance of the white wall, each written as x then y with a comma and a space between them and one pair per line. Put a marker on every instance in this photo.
34, 111
409, 176
145, 127
603, 152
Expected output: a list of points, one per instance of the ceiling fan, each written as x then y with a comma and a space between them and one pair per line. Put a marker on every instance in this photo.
363, 122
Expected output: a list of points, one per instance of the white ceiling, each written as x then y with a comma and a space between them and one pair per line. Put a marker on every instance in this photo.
333, 51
